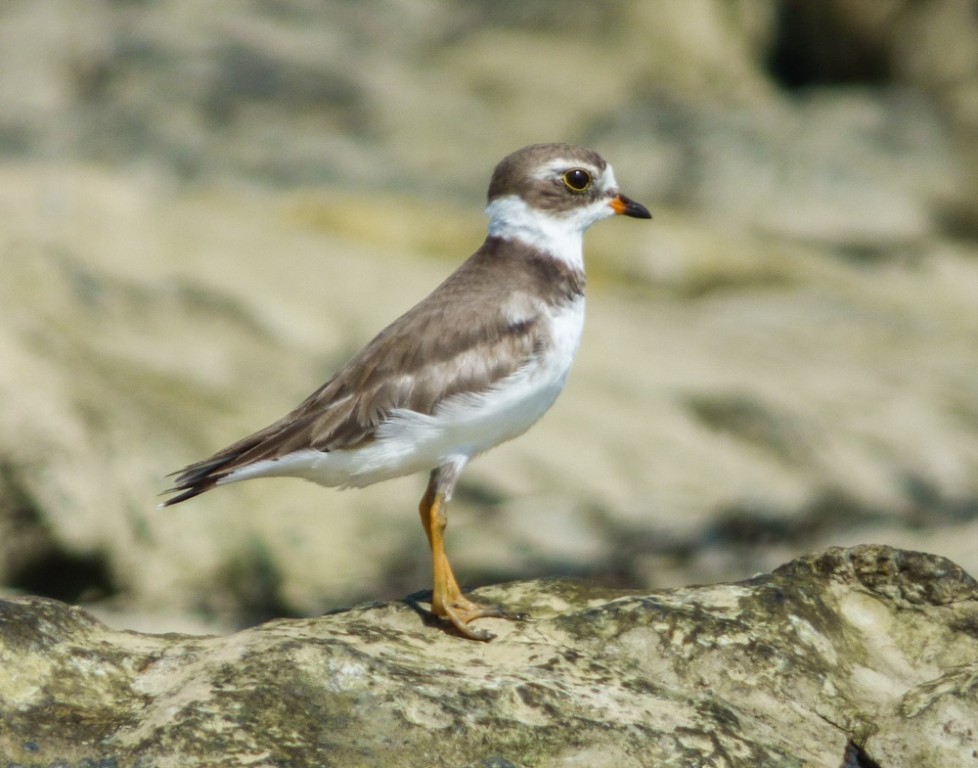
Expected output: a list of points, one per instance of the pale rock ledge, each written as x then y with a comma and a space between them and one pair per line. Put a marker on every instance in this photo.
858, 657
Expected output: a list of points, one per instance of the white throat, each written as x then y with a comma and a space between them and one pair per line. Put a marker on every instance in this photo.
560, 236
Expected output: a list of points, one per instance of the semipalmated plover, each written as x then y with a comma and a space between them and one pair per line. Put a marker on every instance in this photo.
474, 364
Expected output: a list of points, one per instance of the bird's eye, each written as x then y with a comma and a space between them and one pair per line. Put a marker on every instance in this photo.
577, 180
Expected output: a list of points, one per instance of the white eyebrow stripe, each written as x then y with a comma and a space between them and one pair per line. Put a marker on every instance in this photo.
546, 170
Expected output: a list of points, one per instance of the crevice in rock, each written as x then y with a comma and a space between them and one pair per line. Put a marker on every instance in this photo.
31, 558
817, 44
65, 576
855, 757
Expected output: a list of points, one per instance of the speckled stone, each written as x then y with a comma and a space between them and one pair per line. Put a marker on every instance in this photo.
869, 651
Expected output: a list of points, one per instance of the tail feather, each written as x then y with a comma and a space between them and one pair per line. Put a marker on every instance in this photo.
187, 494
194, 479
291, 432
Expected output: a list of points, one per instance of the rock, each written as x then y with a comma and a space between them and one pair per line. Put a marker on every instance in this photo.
866, 170
758, 401
204, 212
97, 406
868, 652
426, 92
429, 93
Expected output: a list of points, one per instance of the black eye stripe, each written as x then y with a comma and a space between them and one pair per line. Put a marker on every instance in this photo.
577, 179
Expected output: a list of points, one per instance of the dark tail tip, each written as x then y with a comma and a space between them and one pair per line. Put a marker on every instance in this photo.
188, 493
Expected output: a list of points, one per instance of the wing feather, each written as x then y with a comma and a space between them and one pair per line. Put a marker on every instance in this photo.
478, 327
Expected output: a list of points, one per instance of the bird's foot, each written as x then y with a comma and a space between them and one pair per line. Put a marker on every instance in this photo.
460, 611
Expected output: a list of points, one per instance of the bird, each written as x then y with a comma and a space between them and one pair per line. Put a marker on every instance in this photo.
475, 363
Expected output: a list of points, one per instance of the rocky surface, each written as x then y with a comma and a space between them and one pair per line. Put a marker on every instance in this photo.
203, 213
870, 652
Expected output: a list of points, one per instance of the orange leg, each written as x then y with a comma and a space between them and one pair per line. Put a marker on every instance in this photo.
447, 600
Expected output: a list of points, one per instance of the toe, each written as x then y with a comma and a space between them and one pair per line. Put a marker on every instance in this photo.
461, 618
462, 611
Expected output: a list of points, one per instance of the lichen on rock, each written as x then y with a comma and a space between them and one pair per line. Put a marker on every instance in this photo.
866, 651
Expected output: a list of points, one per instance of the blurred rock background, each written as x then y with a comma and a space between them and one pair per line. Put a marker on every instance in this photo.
206, 209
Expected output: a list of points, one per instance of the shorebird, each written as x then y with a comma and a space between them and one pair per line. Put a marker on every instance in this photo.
474, 364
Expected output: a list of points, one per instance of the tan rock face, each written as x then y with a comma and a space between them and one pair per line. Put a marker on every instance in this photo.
870, 650
764, 399
783, 360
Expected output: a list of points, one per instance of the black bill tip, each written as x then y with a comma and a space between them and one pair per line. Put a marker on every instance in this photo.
624, 206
